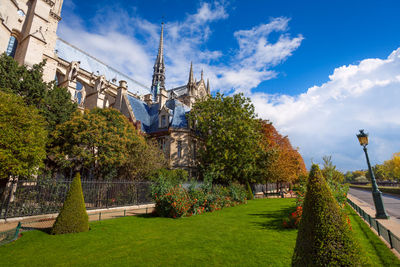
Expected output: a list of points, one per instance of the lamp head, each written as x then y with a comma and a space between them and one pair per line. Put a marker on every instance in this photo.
363, 138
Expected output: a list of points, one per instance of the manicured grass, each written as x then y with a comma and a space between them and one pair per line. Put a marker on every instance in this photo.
246, 235
373, 247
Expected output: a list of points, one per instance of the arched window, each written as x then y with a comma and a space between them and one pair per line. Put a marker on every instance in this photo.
12, 46
78, 92
58, 78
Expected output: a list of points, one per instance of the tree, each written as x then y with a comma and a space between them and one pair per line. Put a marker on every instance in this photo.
329, 171
53, 102
390, 170
104, 144
22, 137
285, 163
73, 217
230, 132
324, 237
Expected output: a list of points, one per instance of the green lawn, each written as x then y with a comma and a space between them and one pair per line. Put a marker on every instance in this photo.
373, 247
246, 235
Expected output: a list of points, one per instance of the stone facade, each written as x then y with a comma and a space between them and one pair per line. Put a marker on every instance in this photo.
28, 33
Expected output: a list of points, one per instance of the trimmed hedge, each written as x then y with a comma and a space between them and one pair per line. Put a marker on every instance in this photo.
389, 190
73, 217
324, 237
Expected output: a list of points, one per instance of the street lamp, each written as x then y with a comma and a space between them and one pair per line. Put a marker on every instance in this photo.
376, 194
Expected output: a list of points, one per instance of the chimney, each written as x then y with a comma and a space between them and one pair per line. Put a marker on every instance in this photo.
121, 91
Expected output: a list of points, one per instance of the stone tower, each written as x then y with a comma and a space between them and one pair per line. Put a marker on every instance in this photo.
158, 82
28, 32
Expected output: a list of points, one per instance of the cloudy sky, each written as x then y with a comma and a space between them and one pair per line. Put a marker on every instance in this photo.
319, 72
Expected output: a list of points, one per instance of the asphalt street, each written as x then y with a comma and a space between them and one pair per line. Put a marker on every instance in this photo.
392, 203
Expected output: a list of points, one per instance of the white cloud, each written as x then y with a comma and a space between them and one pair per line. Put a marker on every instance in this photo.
325, 119
129, 43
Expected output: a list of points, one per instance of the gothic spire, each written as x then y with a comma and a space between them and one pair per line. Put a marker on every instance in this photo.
191, 79
159, 67
201, 75
208, 87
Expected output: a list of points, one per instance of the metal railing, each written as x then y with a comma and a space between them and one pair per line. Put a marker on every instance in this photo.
45, 224
27, 198
393, 240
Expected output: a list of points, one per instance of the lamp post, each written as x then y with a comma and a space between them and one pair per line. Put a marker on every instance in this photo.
376, 194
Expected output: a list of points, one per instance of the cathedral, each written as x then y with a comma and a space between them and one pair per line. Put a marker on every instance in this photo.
28, 34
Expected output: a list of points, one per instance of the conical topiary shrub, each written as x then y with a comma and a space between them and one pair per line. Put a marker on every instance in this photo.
72, 217
249, 191
324, 237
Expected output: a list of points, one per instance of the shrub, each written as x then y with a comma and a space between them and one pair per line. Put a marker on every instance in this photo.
174, 177
324, 237
294, 219
174, 201
237, 193
72, 217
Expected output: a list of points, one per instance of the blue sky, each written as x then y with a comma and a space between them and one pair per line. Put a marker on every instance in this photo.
311, 67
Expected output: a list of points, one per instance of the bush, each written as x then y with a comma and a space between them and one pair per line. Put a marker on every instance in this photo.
72, 217
237, 193
174, 201
324, 237
293, 220
174, 177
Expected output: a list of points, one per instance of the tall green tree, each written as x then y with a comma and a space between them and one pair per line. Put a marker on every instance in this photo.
22, 137
231, 134
53, 102
103, 143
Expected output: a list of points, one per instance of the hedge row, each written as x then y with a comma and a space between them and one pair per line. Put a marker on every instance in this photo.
390, 190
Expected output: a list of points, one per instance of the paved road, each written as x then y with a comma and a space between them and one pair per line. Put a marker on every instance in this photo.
392, 203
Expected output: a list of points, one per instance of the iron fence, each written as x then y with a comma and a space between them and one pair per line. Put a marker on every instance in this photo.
393, 240
27, 198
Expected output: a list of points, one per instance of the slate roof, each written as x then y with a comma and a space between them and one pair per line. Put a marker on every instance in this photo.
69, 53
181, 90
148, 115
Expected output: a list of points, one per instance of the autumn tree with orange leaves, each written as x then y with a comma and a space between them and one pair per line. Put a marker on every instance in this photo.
285, 163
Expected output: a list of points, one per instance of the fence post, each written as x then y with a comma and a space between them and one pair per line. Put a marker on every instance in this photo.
377, 227
369, 220
124, 212
137, 195
107, 197
99, 216
17, 231
390, 238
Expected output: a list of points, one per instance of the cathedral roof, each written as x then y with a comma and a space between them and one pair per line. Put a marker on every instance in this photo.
91, 64
148, 115
181, 90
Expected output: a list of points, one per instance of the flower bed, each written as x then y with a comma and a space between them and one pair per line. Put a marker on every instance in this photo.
174, 201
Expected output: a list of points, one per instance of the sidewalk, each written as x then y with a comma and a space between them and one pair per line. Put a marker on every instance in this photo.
47, 220
391, 224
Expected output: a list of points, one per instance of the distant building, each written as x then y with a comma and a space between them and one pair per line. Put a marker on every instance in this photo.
28, 34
